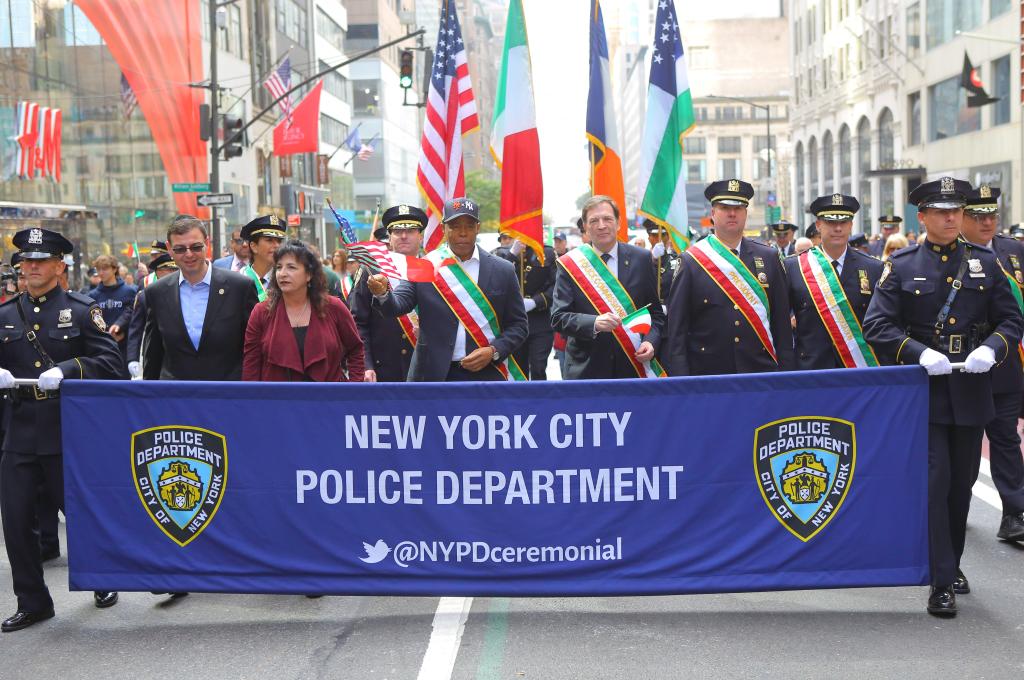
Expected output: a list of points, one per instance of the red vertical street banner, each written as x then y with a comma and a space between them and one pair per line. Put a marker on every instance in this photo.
157, 44
303, 135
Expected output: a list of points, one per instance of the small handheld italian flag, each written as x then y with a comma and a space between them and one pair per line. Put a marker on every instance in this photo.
638, 322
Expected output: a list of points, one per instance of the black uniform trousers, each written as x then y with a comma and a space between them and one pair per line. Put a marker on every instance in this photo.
954, 455
456, 373
1004, 452
24, 480
532, 355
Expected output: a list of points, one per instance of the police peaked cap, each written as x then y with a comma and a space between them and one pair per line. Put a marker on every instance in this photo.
404, 216
162, 261
984, 199
264, 225
40, 244
945, 193
835, 207
783, 227
729, 192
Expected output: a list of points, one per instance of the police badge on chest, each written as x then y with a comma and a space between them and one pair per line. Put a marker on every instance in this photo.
64, 319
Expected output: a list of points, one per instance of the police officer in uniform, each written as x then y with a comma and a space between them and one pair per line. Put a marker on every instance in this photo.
386, 342
937, 303
981, 222
52, 335
665, 260
890, 224
536, 285
785, 238
857, 273
708, 334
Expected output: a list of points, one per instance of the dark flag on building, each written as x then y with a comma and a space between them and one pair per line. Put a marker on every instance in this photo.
971, 81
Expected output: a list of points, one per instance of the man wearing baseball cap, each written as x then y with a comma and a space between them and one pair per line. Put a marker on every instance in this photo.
454, 347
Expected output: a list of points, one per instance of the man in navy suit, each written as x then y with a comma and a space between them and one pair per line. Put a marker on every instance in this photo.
592, 350
446, 350
240, 256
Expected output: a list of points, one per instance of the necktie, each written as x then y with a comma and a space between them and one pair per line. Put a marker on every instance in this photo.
734, 251
835, 265
606, 257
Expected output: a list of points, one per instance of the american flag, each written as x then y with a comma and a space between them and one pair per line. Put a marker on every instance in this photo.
280, 81
376, 256
129, 101
365, 151
451, 113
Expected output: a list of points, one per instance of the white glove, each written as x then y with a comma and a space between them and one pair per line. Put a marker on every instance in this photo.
6, 379
517, 247
935, 363
134, 369
980, 360
50, 379
658, 250
530, 304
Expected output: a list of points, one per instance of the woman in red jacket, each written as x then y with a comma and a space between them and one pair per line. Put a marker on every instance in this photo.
300, 332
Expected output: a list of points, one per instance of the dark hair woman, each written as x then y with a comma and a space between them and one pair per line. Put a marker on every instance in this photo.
300, 332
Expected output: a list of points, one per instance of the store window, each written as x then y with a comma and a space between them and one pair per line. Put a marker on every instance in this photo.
948, 114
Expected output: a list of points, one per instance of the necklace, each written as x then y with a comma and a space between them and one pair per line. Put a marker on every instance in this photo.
300, 318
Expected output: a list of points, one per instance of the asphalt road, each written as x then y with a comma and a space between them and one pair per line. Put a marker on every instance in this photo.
869, 633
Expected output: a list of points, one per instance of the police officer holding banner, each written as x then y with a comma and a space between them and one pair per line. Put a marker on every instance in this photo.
981, 221
947, 301
51, 335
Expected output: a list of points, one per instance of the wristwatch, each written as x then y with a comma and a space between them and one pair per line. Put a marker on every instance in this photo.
496, 357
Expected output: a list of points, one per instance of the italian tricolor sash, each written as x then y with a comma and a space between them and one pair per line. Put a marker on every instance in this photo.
261, 291
410, 323
347, 284
607, 294
470, 306
739, 285
834, 308
1015, 290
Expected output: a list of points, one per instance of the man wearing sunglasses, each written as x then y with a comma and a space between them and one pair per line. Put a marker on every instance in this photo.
239, 256
195, 321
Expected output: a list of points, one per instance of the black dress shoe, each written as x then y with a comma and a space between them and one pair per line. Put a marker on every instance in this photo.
24, 620
1011, 528
48, 554
104, 599
961, 586
174, 596
942, 601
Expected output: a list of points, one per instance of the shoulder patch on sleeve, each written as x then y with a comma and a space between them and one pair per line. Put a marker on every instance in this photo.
97, 319
886, 268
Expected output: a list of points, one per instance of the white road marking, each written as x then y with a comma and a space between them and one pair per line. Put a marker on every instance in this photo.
445, 638
986, 492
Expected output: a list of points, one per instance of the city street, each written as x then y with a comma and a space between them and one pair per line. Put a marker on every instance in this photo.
871, 633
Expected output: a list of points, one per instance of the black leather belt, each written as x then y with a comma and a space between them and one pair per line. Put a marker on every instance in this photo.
948, 344
34, 393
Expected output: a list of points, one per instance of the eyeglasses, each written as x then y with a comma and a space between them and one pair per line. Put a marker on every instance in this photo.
195, 248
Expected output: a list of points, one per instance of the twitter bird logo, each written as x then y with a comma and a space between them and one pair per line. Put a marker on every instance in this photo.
376, 552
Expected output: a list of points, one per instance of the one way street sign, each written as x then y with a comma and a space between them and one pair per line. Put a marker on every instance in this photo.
207, 200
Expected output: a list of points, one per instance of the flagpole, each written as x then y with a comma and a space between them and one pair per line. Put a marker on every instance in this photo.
354, 153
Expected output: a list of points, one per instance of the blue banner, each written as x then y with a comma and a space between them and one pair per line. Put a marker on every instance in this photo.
681, 485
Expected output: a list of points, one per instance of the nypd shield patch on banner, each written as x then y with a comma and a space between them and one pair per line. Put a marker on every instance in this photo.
180, 473
804, 466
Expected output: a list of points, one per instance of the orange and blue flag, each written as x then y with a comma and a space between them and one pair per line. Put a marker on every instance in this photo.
602, 134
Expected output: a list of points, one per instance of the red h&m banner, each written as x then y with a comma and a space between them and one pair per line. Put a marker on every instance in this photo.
303, 135
38, 139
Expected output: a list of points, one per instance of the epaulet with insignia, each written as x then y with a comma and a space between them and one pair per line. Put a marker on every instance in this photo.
78, 297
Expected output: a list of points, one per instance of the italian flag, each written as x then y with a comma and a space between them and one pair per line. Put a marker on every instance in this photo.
639, 321
514, 142
669, 118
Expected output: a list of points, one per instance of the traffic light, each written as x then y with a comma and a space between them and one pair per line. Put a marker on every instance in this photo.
139, 213
232, 144
405, 70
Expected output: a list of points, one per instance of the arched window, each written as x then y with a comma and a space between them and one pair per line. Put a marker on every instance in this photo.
828, 158
845, 162
863, 167
800, 204
886, 157
812, 166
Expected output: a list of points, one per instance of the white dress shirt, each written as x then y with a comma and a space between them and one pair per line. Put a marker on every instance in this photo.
472, 269
613, 261
839, 260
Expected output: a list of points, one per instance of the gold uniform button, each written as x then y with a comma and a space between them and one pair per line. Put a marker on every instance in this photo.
405, 351
945, 257
737, 323
701, 349
35, 326
952, 320
949, 279
705, 300
38, 364
736, 339
35, 309
917, 292
981, 287
736, 308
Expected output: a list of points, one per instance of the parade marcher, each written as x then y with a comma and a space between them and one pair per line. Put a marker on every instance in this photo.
239, 257
716, 330
115, 298
469, 279
946, 301
263, 234
784, 234
388, 342
592, 285
52, 335
889, 225
195, 321
829, 287
665, 260
813, 234
162, 265
301, 332
536, 284
894, 243
561, 243
803, 244
980, 226
859, 242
